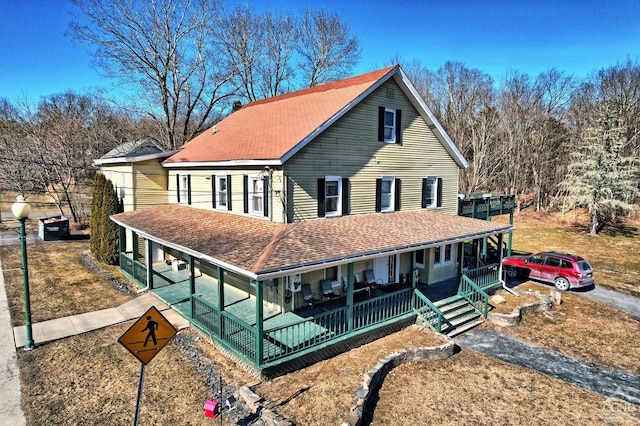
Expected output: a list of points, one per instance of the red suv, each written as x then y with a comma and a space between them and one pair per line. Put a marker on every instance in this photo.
565, 271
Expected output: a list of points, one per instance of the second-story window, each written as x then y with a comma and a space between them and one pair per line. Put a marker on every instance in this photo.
389, 129
387, 194
184, 189
431, 192
221, 191
333, 196
256, 195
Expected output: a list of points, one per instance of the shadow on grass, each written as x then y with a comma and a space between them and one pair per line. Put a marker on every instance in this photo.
615, 228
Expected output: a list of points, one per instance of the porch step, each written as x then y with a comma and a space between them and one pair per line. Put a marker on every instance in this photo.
459, 315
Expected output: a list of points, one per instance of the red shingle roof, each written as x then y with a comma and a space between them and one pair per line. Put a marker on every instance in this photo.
268, 129
258, 246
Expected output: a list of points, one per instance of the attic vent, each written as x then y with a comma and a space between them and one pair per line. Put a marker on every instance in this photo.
390, 93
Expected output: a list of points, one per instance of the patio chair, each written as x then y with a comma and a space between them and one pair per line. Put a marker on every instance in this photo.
328, 291
308, 297
370, 278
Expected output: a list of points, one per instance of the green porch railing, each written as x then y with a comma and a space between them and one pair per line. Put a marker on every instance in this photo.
383, 308
427, 310
291, 338
477, 205
134, 268
474, 295
485, 277
236, 335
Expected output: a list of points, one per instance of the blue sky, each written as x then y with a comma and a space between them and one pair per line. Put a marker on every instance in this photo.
495, 37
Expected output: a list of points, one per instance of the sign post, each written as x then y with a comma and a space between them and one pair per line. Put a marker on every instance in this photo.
144, 339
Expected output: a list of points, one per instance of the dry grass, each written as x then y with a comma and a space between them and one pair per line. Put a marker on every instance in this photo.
60, 283
92, 379
474, 389
512, 302
583, 329
614, 253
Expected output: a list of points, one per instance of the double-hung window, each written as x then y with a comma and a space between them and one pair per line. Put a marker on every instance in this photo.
222, 192
256, 195
389, 130
431, 192
332, 196
442, 255
184, 189
387, 194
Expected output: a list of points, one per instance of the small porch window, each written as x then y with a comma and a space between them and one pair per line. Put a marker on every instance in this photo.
442, 255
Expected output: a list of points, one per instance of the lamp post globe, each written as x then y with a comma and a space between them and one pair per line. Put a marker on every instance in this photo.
21, 210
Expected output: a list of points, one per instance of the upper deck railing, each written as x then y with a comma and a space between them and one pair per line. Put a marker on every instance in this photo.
482, 206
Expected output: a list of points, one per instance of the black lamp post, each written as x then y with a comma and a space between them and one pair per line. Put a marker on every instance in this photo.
21, 211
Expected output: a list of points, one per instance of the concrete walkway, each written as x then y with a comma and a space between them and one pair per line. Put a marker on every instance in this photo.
60, 328
10, 408
605, 381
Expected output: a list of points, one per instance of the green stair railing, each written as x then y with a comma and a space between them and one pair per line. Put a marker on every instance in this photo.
474, 295
427, 310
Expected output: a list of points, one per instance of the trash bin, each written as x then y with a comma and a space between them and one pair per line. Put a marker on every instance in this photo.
53, 228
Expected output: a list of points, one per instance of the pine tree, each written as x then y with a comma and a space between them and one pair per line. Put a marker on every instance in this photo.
96, 213
600, 178
109, 248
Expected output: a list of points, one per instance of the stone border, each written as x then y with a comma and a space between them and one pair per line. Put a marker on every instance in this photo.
375, 376
258, 406
507, 320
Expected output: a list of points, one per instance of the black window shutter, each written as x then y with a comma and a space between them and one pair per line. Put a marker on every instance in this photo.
213, 191
178, 188
229, 192
381, 124
378, 195
321, 198
425, 184
189, 189
439, 189
398, 127
345, 197
245, 190
396, 196
265, 196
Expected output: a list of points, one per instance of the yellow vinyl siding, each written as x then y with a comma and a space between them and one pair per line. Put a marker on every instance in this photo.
201, 190
150, 185
350, 149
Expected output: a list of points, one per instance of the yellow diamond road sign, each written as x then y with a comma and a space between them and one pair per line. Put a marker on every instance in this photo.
148, 335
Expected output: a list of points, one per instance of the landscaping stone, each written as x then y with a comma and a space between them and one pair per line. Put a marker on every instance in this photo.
497, 299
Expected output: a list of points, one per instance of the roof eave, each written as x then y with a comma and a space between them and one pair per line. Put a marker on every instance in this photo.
133, 159
226, 163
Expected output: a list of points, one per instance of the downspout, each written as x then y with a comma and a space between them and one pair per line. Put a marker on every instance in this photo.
504, 284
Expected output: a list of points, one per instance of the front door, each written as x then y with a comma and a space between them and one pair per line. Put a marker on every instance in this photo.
385, 269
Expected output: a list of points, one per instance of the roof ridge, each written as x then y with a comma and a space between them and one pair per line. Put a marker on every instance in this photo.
338, 84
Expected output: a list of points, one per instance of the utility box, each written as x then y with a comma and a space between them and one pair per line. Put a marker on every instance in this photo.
53, 228
211, 409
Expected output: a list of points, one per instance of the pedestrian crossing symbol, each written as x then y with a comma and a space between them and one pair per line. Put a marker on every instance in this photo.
150, 333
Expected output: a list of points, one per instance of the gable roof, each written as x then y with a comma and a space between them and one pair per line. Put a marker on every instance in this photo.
265, 250
134, 151
270, 131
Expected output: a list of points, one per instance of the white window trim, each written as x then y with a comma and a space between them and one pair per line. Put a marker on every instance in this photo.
392, 194
252, 195
442, 262
393, 127
418, 264
184, 188
434, 198
226, 191
338, 211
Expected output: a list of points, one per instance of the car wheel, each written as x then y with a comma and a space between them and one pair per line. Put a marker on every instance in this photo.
512, 272
562, 284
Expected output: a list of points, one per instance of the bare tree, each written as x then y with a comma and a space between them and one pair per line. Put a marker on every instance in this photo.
17, 172
277, 69
165, 50
327, 50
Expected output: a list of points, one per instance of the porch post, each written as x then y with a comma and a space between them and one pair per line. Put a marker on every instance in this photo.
350, 276
500, 241
134, 255
510, 233
220, 277
122, 239
149, 261
192, 275
259, 317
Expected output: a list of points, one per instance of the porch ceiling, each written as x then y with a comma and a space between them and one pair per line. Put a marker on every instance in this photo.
260, 248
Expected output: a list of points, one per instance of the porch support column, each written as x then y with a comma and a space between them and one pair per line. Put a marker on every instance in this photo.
149, 261
134, 255
413, 269
192, 275
220, 277
510, 233
259, 325
122, 239
350, 276
501, 254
